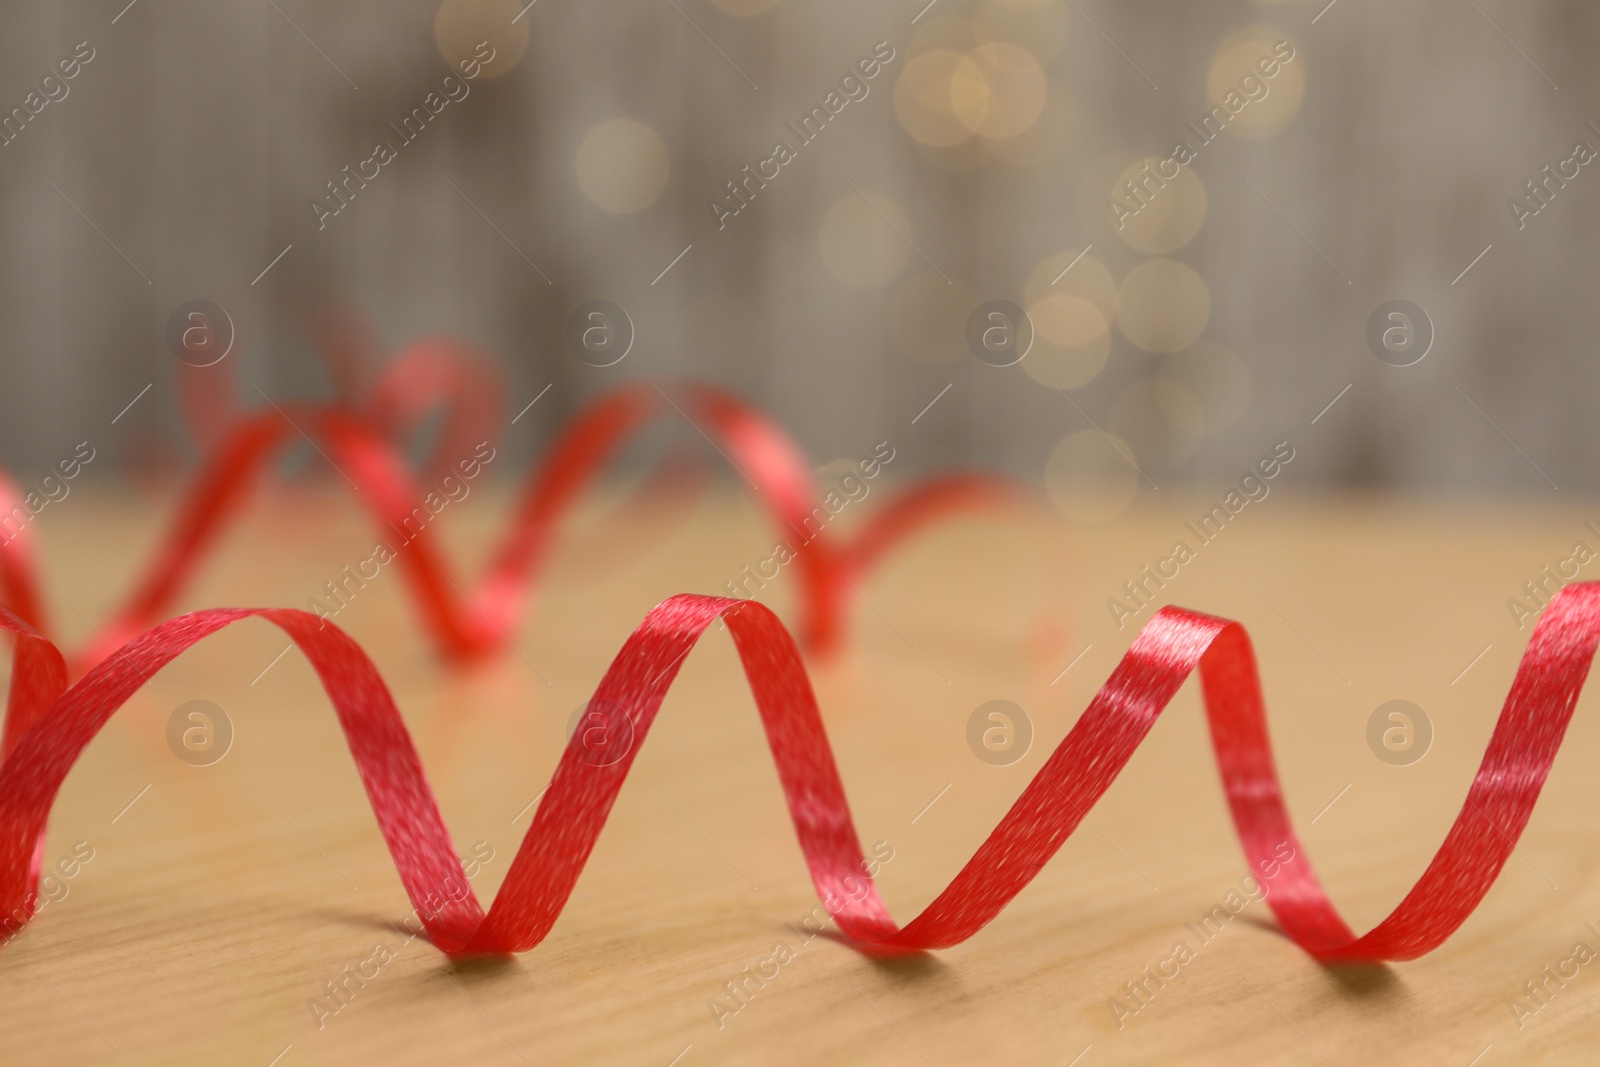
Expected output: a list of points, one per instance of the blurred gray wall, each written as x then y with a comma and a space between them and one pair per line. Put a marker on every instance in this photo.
192, 144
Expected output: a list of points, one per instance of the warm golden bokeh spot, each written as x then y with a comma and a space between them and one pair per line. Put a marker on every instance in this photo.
1216, 377
859, 246
969, 93
928, 319
1067, 366
1075, 273
924, 102
1163, 306
1257, 104
1071, 341
1157, 206
997, 90
461, 26
622, 166
1090, 476
1067, 320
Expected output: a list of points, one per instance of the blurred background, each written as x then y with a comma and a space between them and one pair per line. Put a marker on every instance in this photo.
1203, 207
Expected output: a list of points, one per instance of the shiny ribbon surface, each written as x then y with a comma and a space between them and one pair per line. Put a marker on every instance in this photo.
49, 722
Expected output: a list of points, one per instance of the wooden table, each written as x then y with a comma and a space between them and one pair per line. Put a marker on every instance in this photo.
221, 898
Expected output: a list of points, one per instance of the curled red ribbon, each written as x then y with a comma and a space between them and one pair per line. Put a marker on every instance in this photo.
49, 725
462, 625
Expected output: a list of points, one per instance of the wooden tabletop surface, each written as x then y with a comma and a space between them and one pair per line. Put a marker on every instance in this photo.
221, 899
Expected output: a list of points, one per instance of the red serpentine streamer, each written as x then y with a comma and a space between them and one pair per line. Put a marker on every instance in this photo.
49, 724
465, 624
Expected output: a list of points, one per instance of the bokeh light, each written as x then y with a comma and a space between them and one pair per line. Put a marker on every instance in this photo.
1090, 476
859, 246
1076, 273
997, 90
462, 25
1163, 306
1167, 204
622, 166
923, 100
1072, 299
1071, 341
1238, 74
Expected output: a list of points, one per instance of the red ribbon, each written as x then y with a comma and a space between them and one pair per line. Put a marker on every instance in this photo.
49, 725
358, 442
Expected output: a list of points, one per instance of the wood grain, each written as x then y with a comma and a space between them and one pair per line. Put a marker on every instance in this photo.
219, 903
